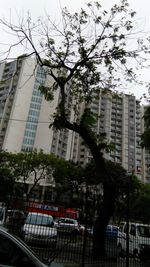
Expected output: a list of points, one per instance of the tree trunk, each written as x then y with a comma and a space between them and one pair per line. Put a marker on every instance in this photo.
102, 221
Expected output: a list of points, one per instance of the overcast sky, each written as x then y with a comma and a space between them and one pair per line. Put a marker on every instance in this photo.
38, 7
18, 8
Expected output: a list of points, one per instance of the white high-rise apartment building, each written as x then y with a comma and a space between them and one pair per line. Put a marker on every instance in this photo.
24, 113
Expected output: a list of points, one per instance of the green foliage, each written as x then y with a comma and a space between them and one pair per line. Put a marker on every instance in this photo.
139, 199
88, 118
46, 91
115, 170
67, 173
37, 166
139, 206
147, 116
24, 166
146, 139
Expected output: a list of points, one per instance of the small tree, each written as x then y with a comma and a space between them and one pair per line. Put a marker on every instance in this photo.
88, 51
32, 168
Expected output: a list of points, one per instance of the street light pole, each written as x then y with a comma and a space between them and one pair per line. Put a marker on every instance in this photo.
130, 175
85, 230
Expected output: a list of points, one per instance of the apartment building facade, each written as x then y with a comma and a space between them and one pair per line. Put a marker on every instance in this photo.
120, 117
24, 113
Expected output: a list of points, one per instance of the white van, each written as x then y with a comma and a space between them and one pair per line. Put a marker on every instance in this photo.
139, 238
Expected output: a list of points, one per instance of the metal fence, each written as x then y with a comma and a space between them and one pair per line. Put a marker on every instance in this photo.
67, 242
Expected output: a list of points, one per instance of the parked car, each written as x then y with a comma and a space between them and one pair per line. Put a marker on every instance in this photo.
14, 252
68, 225
14, 221
111, 231
139, 239
39, 228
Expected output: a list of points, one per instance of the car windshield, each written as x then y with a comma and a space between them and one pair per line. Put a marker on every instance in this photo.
143, 231
39, 219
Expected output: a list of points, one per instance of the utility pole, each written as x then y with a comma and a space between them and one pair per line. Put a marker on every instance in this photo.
128, 217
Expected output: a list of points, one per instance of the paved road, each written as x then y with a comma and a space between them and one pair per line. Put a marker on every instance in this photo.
121, 262
73, 253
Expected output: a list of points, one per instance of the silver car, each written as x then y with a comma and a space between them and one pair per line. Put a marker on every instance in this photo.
14, 252
39, 228
68, 225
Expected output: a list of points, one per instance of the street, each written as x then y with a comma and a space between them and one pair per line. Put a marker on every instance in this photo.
69, 252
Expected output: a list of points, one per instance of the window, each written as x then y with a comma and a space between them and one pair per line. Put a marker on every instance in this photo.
132, 230
69, 221
143, 231
31, 126
33, 112
29, 134
39, 220
27, 141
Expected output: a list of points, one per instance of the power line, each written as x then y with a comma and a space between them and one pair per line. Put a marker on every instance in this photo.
21, 120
